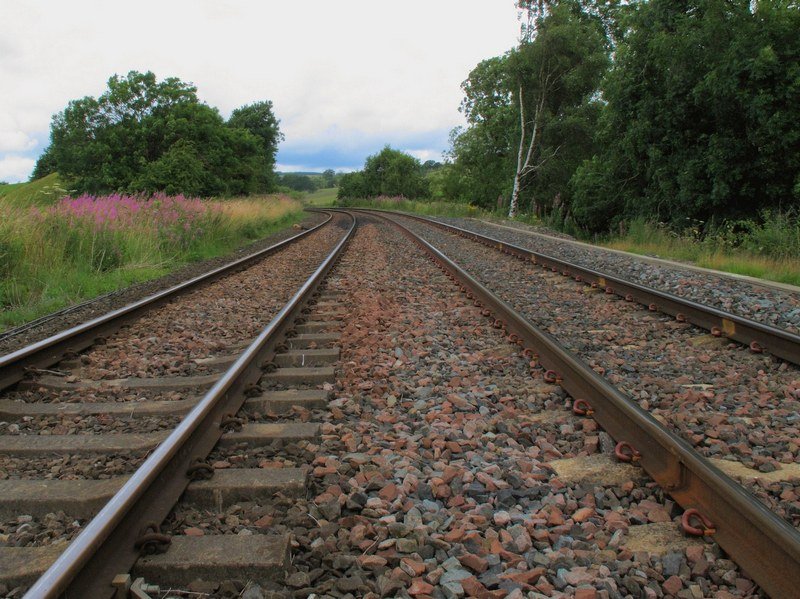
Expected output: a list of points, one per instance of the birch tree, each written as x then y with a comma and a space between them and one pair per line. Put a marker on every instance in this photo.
559, 61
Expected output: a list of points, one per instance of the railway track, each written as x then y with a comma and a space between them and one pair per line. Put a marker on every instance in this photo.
444, 463
736, 407
758, 336
771, 303
132, 387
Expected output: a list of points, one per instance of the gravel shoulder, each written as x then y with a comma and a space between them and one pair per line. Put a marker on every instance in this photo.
440, 471
766, 304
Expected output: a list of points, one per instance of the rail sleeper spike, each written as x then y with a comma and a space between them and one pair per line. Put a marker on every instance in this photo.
551, 377
625, 452
581, 407
693, 514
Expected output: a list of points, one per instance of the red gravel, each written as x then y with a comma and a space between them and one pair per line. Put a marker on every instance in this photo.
727, 402
435, 473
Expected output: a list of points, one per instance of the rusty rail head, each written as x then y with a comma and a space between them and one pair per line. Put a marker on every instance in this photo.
778, 342
765, 546
106, 547
47, 352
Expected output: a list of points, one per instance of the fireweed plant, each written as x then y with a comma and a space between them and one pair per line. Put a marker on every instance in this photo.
81, 247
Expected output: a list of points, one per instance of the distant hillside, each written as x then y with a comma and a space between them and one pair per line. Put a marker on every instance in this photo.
306, 173
39, 192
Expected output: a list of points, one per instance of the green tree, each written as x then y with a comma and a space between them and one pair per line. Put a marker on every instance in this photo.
298, 182
328, 178
394, 173
554, 75
531, 113
352, 185
179, 170
259, 119
702, 118
145, 135
481, 154
45, 164
389, 173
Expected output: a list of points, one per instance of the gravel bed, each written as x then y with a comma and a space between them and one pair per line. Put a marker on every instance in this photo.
105, 394
70, 467
28, 531
139, 291
204, 322
434, 474
95, 424
726, 401
770, 306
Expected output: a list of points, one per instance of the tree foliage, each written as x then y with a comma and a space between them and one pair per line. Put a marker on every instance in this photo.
703, 115
554, 75
142, 134
298, 182
388, 173
531, 112
611, 110
260, 120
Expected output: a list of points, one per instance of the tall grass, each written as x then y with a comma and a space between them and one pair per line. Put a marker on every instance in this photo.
767, 249
321, 198
81, 247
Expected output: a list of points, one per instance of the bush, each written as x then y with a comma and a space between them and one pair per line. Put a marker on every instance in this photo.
388, 173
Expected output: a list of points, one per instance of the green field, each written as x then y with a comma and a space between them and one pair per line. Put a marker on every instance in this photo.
36, 193
321, 197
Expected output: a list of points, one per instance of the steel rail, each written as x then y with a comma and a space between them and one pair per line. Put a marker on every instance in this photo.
47, 352
674, 264
105, 547
765, 546
760, 337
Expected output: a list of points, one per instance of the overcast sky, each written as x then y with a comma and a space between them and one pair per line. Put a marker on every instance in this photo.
345, 77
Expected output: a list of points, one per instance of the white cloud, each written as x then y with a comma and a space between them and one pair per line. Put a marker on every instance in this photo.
423, 155
12, 137
14, 169
16, 141
336, 71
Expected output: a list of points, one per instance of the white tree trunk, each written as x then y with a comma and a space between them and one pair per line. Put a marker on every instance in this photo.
524, 164
514, 205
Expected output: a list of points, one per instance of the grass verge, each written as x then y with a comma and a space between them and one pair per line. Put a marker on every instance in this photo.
77, 249
321, 198
435, 208
766, 251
